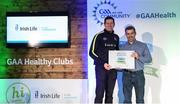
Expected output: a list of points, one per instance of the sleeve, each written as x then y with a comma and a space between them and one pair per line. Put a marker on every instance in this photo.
117, 46
146, 57
93, 50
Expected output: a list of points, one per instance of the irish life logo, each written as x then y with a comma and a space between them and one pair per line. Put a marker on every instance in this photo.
18, 93
16, 27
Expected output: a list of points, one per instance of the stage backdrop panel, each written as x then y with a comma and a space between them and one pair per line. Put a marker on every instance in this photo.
66, 81
74, 58
158, 24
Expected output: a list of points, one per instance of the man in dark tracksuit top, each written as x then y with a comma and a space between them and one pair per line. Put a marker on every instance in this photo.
101, 44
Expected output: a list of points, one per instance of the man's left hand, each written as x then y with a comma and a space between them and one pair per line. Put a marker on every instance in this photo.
135, 55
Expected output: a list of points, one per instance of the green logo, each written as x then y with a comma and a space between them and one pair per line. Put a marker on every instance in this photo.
152, 71
18, 93
121, 60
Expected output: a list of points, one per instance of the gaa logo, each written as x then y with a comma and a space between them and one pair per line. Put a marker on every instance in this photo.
102, 10
18, 93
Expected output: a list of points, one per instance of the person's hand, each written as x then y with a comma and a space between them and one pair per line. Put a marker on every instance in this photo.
107, 66
135, 55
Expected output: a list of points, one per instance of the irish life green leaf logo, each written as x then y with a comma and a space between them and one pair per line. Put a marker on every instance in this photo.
18, 93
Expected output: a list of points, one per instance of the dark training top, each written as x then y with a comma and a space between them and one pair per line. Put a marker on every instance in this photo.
101, 44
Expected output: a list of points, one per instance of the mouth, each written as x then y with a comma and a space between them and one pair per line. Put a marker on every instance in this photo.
130, 38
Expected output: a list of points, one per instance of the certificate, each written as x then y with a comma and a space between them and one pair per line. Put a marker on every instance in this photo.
121, 59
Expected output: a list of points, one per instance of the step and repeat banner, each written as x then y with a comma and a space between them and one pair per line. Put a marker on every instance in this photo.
157, 23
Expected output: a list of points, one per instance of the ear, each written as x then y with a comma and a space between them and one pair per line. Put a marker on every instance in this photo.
135, 35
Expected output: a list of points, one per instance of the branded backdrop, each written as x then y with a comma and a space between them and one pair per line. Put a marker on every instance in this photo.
45, 75
158, 24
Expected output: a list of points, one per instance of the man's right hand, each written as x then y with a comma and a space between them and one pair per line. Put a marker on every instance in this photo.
107, 66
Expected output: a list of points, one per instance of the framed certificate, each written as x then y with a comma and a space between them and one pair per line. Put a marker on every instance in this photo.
121, 59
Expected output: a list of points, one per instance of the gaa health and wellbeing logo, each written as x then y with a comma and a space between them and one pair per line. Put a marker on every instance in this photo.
107, 8
18, 93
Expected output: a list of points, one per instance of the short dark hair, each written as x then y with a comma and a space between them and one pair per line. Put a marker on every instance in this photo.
108, 17
130, 27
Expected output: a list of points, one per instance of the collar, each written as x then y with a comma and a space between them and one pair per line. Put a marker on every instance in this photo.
108, 32
132, 42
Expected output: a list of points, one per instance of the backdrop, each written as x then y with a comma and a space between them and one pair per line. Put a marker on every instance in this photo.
157, 23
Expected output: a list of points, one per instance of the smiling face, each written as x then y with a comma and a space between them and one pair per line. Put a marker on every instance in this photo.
130, 34
109, 25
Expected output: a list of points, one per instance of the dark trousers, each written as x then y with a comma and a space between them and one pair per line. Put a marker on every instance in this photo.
105, 82
133, 79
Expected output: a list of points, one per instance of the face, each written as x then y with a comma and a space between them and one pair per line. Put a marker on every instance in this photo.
109, 25
130, 34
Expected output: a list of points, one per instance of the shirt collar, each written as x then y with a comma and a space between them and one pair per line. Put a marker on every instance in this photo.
132, 42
